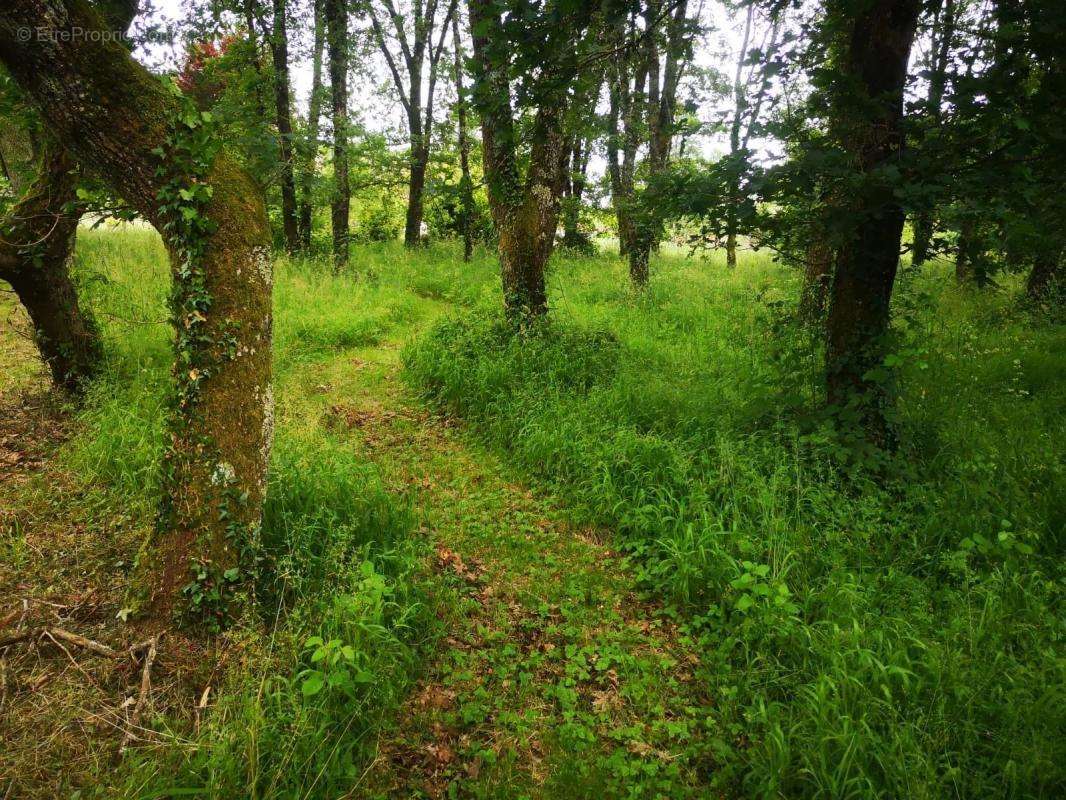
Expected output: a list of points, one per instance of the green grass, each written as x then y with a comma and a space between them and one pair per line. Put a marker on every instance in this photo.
867, 633
862, 629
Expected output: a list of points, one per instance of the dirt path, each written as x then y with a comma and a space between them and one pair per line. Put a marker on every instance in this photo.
557, 680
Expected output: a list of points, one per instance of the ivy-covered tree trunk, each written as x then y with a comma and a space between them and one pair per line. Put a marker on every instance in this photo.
336, 14
36, 250
132, 131
310, 141
867, 116
526, 212
816, 280
279, 48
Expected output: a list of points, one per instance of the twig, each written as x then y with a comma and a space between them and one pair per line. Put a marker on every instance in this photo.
146, 686
81, 641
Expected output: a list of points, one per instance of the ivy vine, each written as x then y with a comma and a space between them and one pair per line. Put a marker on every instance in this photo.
185, 160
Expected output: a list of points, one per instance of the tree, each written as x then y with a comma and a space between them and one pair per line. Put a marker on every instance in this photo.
310, 140
645, 106
746, 113
37, 249
866, 113
943, 34
279, 48
413, 50
535, 56
336, 15
127, 127
466, 184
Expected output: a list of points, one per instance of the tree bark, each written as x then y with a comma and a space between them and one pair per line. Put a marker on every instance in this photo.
279, 48
36, 252
336, 13
314, 115
873, 71
116, 119
466, 184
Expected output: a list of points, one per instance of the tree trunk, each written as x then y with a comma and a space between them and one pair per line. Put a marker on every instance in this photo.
416, 184
873, 72
314, 114
116, 118
279, 47
466, 185
36, 251
1047, 276
526, 212
336, 12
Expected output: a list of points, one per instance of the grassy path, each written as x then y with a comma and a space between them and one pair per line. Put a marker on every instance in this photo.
556, 679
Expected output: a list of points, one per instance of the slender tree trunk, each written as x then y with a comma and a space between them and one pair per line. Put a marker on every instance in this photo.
466, 184
416, 185
115, 117
418, 157
314, 114
36, 252
873, 66
279, 47
336, 13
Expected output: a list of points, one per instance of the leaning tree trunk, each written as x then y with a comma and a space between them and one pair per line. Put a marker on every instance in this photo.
873, 72
336, 13
279, 48
36, 251
117, 120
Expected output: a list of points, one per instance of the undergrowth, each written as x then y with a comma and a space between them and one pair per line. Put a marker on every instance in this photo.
868, 629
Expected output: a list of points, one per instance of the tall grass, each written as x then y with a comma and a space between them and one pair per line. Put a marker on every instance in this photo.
889, 632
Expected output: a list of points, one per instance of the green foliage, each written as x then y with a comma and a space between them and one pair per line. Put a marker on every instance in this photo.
888, 634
